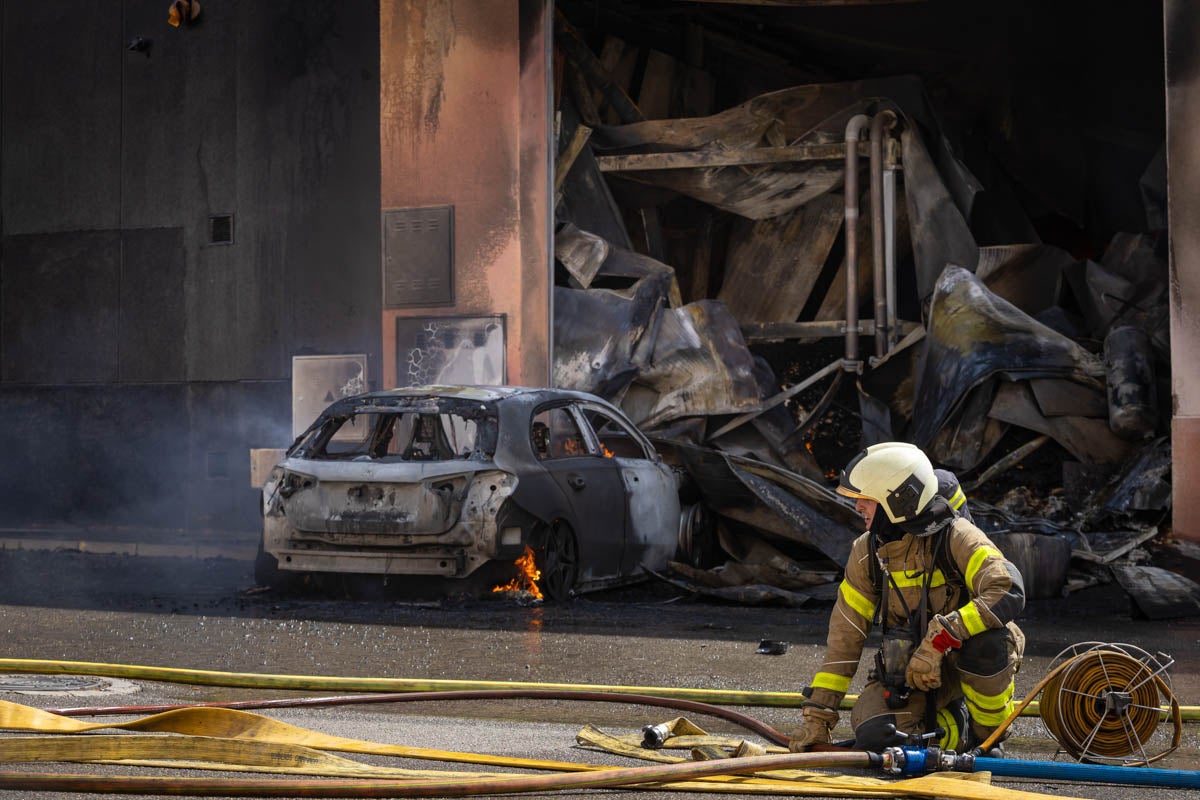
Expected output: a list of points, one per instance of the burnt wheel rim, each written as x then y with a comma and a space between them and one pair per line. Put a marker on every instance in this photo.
560, 562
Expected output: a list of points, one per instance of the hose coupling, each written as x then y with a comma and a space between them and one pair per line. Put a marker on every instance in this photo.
654, 736
958, 762
910, 760
904, 760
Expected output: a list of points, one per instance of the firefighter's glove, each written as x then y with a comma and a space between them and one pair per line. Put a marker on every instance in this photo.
816, 727
945, 633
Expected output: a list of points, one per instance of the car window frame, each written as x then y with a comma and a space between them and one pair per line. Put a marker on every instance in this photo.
581, 425
314, 445
631, 430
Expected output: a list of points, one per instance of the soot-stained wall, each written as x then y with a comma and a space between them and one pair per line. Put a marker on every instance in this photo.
139, 359
465, 123
1183, 115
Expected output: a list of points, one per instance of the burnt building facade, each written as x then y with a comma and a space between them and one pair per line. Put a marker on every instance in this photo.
186, 208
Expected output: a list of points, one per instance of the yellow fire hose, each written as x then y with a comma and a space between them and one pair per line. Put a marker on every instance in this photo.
201, 752
747, 722
239, 740
672, 777
228, 739
251, 680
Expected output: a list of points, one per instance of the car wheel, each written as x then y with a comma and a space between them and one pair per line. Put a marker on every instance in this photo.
558, 562
698, 542
267, 572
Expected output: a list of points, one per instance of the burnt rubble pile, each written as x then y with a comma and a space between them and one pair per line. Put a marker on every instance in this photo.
702, 255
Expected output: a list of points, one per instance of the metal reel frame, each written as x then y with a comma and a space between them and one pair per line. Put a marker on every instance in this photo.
1108, 704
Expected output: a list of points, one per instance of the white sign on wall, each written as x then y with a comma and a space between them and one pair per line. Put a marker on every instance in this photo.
450, 351
318, 381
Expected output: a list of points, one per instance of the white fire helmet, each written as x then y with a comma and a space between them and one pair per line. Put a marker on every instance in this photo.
897, 475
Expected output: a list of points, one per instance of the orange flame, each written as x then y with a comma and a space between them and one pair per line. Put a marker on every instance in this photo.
527, 577
607, 453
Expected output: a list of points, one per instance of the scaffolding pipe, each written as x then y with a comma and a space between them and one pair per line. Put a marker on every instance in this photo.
881, 123
854, 129
889, 253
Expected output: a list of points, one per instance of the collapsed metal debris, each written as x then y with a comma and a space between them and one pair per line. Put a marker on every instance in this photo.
1000, 360
978, 351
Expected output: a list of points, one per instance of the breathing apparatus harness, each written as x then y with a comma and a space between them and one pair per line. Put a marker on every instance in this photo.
898, 643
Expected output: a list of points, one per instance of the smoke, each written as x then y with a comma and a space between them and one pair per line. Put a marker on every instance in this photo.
160, 456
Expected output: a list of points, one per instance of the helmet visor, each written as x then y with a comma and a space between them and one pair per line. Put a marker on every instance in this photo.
846, 487
846, 491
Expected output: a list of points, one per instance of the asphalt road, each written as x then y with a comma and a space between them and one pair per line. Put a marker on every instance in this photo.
206, 614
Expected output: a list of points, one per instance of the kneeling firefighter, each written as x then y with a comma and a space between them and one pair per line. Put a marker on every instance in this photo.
946, 598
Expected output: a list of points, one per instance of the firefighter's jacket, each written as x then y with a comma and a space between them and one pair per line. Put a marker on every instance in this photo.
983, 586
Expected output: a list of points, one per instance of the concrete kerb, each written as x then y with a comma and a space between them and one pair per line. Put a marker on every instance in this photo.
146, 543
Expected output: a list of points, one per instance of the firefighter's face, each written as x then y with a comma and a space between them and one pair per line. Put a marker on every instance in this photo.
866, 509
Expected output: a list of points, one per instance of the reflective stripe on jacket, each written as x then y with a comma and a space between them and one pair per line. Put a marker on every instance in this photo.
986, 590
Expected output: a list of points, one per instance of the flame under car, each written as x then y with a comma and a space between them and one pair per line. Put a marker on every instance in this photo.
456, 483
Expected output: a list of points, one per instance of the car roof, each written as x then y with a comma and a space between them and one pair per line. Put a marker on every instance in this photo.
475, 393
511, 403
482, 393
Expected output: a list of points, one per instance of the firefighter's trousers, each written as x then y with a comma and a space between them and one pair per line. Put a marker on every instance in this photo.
975, 697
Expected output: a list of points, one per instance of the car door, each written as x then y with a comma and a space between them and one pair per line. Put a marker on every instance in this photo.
592, 487
651, 490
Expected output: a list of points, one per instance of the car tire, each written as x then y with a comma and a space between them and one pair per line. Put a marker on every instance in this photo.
267, 572
558, 561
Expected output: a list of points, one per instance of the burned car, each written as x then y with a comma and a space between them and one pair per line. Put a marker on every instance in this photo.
458, 482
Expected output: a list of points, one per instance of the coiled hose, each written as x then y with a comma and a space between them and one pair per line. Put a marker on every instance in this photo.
1104, 702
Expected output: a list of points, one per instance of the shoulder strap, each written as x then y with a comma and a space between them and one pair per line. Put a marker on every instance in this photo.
878, 580
944, 559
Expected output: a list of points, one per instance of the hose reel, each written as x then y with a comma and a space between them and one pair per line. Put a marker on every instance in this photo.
1105, 702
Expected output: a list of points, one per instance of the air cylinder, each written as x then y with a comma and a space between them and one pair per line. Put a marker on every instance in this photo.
1129, 372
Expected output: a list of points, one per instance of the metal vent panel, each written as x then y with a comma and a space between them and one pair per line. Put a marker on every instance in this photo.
418, 257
